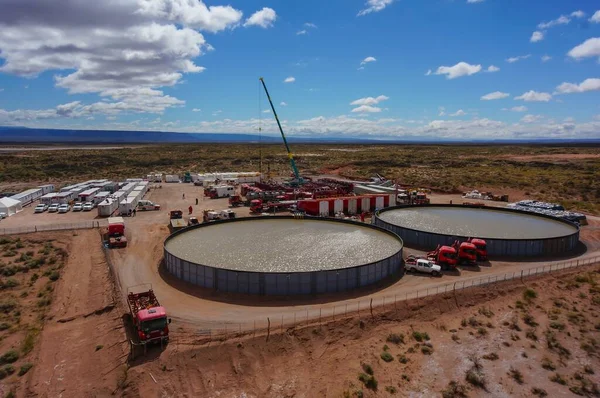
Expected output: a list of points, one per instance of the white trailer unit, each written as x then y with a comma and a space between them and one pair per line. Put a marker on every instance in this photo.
107, 207
101, 196
119, 195
64, 197
127, 206
26, 197
48, 188
88, 195
171, 178
134, 180
128, 187
49, 198
69, 187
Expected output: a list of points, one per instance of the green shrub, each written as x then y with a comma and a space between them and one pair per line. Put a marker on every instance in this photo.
402, 358
530, 334
29, 341
4, 326
491, 357
387, 357
558, 326
25, 368
427, 350
368, 380
6, 370
588, 369
367, 368
454, 390
420, 336
540, 392
391, 389
395, 338
482, 331
548, 364
7, 305
487, 312
529, 294
54, 276
9, 357
557, 378
516, 375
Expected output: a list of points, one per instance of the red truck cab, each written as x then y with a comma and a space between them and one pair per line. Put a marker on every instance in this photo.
149, 317
480, 247
445, 256
256, 206
467, 252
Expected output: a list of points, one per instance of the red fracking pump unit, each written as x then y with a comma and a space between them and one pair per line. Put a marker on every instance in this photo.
480, 248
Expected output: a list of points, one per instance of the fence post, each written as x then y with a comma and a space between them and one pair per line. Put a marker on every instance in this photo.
371, 306
268, 328
522, 276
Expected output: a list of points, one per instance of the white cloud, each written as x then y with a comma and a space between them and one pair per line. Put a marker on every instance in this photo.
569, 120
441, 111
474, 1
459, 112
492, 68
367, 60
310, 25
578, 14
531, 118
282, 103
596, 17
263, 18
546, 58
123, 53
536, 36
496, 95
534, 96
586, 85
458, 70
562, 20
301, 32
521, 108
587, 49
1, 90
374, 6
428, 72
360, 68
266, 111
196, 110
517, 58
217, 112
290, 79
369, 100
366, 109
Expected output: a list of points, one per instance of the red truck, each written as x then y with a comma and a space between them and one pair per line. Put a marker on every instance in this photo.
445, 256
149, 317
116, 232
480, 248
467, 252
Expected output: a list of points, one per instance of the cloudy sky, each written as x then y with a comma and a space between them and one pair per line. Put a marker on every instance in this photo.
459, 69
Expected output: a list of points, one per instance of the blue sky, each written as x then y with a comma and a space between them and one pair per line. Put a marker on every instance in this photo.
368, 68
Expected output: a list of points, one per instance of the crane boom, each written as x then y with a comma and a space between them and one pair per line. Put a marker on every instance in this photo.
287, 147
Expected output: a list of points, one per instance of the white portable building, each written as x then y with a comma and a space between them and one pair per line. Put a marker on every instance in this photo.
134, 180
107, 207
10, 206
28, 196
49, 198
48, 188
88, 195
128, 204
100, 197
171, 178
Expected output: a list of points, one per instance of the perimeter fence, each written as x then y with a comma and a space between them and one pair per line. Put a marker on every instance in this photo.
53, 227
313, 315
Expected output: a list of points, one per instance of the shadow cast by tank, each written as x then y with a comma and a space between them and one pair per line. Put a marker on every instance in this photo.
252, 300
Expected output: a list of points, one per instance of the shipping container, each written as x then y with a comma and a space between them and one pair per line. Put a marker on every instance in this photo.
107, 207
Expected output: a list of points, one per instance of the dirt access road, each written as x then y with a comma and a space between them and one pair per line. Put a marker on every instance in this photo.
140, 263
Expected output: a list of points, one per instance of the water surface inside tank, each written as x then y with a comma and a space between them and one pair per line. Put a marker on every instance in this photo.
283, 245
481, 223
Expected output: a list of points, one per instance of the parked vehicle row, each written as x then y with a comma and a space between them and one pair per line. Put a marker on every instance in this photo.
63, 208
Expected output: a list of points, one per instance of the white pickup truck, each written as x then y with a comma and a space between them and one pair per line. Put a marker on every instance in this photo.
422, 265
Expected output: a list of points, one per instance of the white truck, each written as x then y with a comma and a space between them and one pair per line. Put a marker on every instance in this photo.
147, 205
413, 264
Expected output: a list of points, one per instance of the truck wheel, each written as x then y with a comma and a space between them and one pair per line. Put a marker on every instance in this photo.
435, 273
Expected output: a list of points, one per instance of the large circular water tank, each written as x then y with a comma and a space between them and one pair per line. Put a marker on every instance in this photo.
507, 232
283, 255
